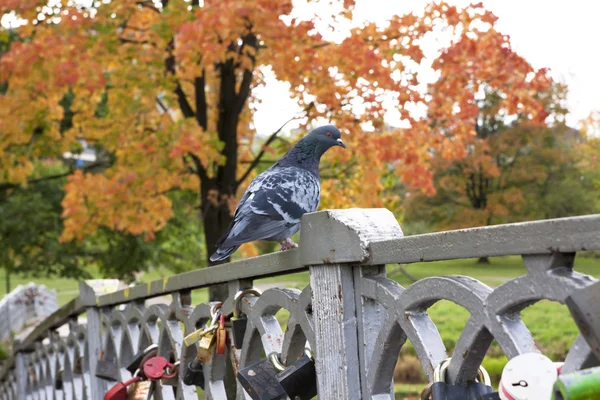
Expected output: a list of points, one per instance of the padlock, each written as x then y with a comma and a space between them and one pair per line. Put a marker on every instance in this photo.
107, 368
194, 375
136, 361
299, 379
440, 390
139, 390
78, 366
157, 368
197, 335
58, 382
528, 376
206, 347
578, 385
221, 336
260, 380
489, 396
239, 321
119, 391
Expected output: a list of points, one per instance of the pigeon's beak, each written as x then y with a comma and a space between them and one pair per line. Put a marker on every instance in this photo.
340, 143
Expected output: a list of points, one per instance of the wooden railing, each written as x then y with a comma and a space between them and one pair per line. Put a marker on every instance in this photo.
352, 318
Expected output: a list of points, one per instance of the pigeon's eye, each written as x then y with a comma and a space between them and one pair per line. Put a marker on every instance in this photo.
328, 134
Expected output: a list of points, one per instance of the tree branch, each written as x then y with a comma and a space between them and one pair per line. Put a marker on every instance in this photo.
260, 162
200, 94
258, 158
200, 170
5, 186
240, 98
244, 91
184, 104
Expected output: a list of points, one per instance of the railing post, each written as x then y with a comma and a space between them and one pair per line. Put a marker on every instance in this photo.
21, 372
333, 244
334, 320
87, 296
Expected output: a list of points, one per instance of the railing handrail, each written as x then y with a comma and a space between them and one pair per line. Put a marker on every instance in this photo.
279, 263
552, 235
565, 235
367, 237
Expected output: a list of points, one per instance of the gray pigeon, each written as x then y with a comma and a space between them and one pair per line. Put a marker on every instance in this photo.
274, 202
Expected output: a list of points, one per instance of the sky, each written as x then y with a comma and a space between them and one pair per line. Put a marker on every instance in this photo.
557, 34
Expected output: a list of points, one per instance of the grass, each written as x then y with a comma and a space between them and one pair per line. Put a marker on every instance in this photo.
550, 323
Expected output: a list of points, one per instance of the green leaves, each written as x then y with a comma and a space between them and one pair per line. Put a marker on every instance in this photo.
31, 224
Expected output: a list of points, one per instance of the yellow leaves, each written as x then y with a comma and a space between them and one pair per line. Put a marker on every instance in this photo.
139, 24
15, 169
591, 125
124, 201
249, 250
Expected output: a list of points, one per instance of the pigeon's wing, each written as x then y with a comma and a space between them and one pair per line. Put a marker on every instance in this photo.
273, 203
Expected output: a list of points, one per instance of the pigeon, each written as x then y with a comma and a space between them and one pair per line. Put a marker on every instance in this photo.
273, 204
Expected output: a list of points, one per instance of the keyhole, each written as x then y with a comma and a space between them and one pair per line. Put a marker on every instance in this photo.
520, 383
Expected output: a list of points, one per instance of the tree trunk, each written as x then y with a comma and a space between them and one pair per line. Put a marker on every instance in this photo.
216, 217
483, 260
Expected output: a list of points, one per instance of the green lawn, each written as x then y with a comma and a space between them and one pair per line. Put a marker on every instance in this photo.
550, 323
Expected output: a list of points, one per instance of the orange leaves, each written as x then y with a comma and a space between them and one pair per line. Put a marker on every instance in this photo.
124, 201
479, 65
40, 72
139, 24
189, 138
485, 63
150, 86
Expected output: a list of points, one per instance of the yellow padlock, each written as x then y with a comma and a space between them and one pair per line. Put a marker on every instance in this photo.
206, 347
139, 390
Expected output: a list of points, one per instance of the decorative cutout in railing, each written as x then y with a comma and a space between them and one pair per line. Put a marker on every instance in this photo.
351, 316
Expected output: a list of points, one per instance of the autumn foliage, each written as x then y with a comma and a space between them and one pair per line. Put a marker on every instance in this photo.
163, 90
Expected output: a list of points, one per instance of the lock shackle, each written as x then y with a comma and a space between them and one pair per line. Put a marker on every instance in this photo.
215, 312
239, 296
214, 309
308, 352
439, 373
171, 371
274, 358
150, 348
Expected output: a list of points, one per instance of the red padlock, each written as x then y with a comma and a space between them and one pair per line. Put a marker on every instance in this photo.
155, 368
119, 391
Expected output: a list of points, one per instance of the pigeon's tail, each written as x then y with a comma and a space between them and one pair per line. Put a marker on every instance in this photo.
223, 252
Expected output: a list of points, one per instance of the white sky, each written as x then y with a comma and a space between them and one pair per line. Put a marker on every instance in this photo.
557, 34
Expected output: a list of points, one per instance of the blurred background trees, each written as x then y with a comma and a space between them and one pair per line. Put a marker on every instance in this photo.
127, 132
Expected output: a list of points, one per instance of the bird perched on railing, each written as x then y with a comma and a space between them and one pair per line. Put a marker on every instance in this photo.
273, 204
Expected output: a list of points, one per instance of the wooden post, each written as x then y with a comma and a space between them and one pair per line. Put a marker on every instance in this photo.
334, 320
97, 388
333, 243
21, 371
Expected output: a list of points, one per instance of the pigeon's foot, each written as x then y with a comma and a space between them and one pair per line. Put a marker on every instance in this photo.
288, 244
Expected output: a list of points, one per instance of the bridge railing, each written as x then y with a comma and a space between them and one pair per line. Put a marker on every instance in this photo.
352, 318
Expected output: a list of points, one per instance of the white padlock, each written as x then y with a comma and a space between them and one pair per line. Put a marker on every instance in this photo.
528, 376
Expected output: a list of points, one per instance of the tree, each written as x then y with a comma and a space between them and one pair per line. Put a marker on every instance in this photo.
31, 224
538, 174
489, 108
164, 87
